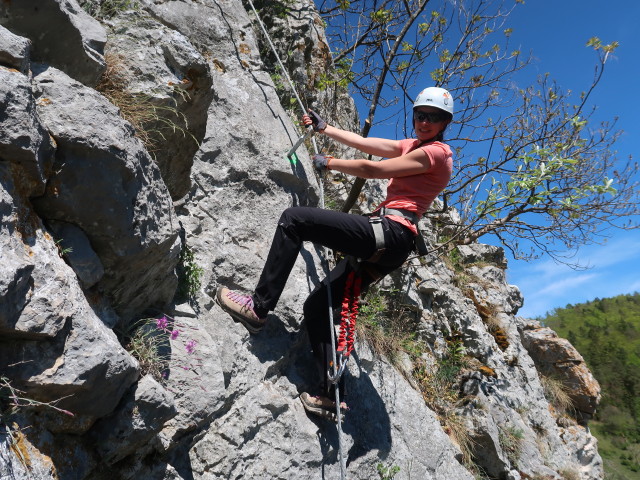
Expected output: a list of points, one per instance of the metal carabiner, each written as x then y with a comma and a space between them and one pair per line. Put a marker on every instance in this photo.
342, 363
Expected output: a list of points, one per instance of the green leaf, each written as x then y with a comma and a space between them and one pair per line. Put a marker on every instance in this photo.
381, 16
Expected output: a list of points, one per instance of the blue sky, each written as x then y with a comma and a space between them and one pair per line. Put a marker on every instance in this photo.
556, 32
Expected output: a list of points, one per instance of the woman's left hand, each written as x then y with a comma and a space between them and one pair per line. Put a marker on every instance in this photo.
321, 161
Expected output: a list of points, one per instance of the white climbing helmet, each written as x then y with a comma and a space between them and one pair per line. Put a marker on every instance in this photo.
435, 97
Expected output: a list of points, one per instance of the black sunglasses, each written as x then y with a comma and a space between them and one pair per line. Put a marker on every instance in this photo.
431, 117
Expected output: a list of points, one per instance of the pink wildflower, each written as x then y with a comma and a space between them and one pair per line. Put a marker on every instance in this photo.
191, 346
174, 334
162, 323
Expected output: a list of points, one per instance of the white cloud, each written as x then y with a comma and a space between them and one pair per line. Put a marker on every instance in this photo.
621, 250
547, 285
566, 283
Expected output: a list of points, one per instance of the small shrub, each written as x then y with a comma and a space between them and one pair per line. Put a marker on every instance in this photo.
439, 388
104, 9
455, 260
147, 340
569, 473
189, 274
387, 473
146, 343
62, 251
511, 439
385, 324
439, 385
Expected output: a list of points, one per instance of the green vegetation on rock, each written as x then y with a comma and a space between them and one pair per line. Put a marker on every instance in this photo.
607, 334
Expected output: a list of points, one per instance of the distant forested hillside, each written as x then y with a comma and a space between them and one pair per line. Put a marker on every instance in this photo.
607, 334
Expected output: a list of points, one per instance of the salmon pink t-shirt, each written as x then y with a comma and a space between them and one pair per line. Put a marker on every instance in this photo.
416, 193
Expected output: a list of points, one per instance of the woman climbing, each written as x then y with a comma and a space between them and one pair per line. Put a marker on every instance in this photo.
418, 169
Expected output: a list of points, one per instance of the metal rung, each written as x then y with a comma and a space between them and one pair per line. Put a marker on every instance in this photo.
300, 141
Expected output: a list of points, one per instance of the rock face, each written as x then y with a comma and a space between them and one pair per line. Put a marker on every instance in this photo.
54, 346
75, 45
24, 142
94, 224
105, 183
16, 51
175, 84
556, 356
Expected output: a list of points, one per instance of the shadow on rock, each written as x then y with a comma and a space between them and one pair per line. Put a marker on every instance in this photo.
367, 422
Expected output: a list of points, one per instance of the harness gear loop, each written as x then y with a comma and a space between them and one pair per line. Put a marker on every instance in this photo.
378, 232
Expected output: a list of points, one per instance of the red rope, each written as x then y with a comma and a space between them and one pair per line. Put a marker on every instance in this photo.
349, 314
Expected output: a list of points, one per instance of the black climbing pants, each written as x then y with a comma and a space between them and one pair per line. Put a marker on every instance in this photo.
346, 233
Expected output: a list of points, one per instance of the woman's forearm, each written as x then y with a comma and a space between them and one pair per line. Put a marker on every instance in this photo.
412, 163
380, 147
357, 167
345, 137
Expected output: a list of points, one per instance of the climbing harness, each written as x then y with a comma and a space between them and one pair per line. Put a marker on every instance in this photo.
375, 219
352, 289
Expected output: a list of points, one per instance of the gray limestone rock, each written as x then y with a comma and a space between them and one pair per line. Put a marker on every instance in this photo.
555, 356
196, 377
174, 81
141, 414
20, 460
235, 395
504, 396
62, 35
30, 269
76, 248
106, 184
83, 370
15, 51
587, 461
482, 253
59, 350
24, 142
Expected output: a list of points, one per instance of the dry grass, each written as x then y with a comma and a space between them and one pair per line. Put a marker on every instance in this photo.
511, 440
387, 327
104, 9
439, 387
150, 121
570, 473
454, 425
557, 393
436, 386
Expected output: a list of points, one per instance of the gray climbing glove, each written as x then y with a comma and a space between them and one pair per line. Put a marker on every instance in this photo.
317, 121
321, 161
